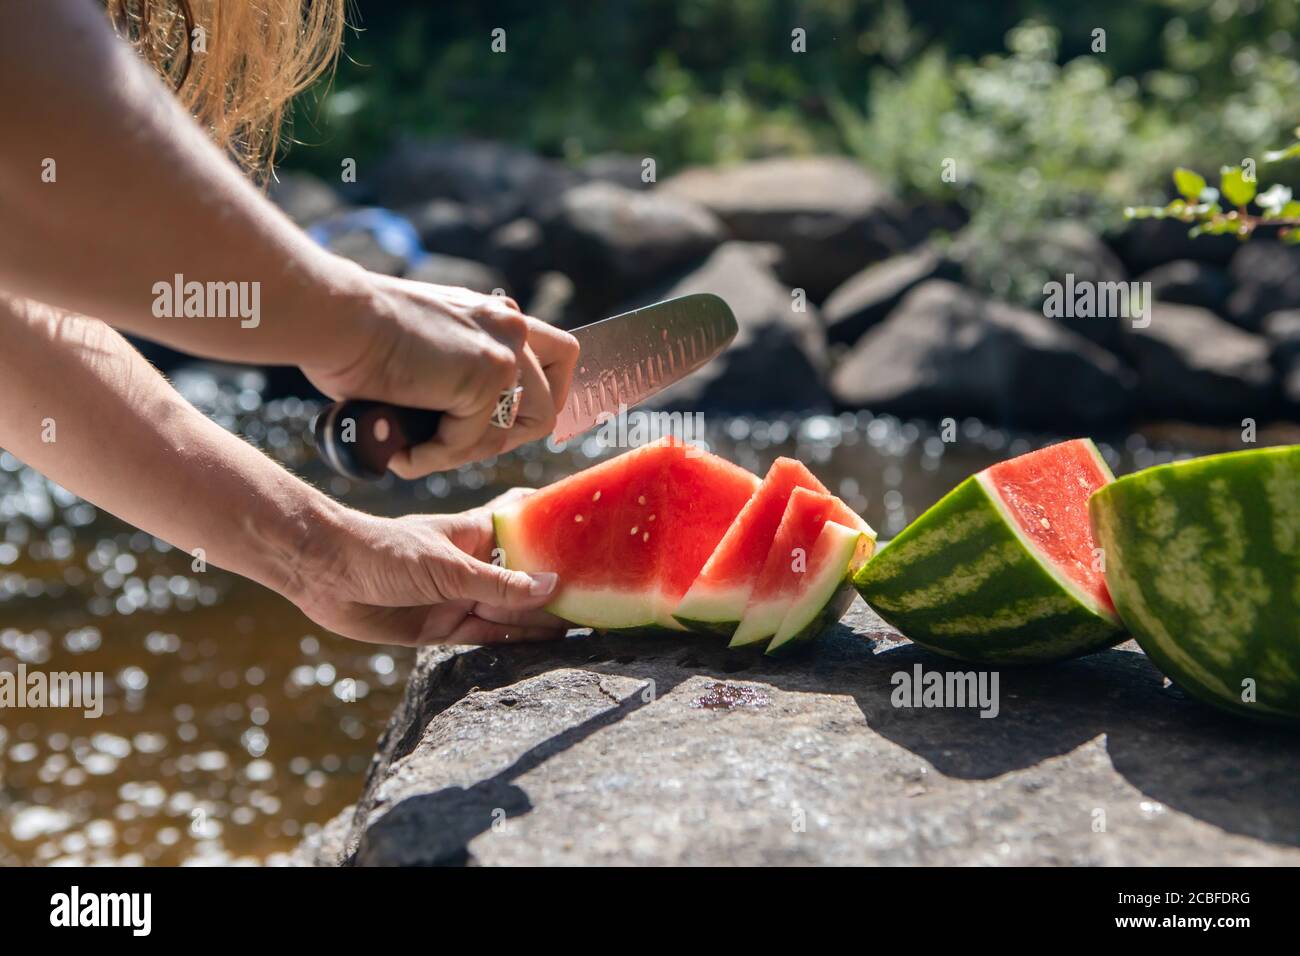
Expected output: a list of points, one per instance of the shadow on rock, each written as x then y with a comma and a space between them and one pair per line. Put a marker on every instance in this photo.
1237, 776
435, 829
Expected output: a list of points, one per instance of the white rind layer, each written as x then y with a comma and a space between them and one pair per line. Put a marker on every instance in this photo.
714, 605
834, 556
759, 623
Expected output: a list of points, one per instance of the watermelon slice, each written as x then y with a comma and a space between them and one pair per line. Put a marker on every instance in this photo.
716, 600
1203, 560
1004, 569
628, 536
827, 589
785, 568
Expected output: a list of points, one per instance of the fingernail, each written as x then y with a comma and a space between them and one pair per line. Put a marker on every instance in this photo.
543, 582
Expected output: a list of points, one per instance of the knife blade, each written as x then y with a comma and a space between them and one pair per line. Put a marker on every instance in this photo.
624, 360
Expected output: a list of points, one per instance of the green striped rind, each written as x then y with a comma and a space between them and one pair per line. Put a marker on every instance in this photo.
961, 581
721, 628
1203, 562
823, 600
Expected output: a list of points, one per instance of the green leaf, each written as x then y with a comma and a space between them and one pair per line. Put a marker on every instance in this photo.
1235, 187
1290, 211
1189, 184
1277, 155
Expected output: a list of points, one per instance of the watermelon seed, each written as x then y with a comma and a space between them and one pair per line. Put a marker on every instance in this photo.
633, 531
652, 517
646, 536
1045, 523
577, 518
596, 496
640, 499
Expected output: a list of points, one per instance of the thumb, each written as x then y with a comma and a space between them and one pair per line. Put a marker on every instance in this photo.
473, 580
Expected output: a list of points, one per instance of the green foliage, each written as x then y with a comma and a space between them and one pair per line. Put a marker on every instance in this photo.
1032, 141
1040, 122
1238, 188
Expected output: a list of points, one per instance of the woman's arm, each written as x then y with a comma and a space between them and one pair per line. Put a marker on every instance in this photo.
84, 408
136, 195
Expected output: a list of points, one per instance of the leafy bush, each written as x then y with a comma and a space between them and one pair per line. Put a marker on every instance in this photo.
1033, 141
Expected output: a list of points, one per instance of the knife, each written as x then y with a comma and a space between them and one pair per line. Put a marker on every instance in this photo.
624, 360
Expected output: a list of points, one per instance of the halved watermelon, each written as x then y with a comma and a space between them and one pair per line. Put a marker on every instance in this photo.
785, 567
1004, 568
827, 590
628, 536
716, 600
1203, 559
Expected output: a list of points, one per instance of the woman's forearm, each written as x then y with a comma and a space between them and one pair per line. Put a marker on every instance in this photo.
84, 408
109, 191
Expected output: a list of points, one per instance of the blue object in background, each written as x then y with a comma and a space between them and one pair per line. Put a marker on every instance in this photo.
392, 231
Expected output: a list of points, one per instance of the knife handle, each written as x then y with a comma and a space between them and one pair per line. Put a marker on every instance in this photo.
358, 437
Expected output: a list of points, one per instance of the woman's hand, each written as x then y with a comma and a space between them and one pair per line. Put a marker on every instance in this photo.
450, 349
421, 579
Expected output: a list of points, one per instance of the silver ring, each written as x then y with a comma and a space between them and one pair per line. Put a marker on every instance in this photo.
507, 410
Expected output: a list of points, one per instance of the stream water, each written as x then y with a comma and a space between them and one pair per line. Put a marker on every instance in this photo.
232, 726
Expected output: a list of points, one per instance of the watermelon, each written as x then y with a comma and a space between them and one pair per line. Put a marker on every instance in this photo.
628, 536
1004, 568
1203, 561
827, 588
785, 567
717, 598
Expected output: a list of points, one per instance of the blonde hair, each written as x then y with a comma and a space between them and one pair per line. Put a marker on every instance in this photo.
238, 64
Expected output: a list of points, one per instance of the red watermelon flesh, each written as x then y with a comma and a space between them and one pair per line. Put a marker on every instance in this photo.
784, 568
717, 598
1046, 495
628, 536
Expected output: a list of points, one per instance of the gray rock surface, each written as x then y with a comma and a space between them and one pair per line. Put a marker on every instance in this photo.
778, 358
1193, 365
304, 198
830, 216
450, 228
945, 351
621, 241
498, 180
621, 169
362, 247
866, 298
449, 270
1267, 277
1282, 329
1185, 282
1067, 248
673, 750
1147, 243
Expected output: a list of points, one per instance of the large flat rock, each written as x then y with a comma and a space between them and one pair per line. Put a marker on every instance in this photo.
623, 750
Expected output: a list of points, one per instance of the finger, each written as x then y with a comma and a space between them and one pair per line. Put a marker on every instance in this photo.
527, 618
536, 417
399, 626
464, 435
463, 577
474, 630
558, 352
